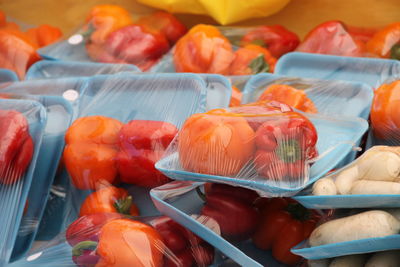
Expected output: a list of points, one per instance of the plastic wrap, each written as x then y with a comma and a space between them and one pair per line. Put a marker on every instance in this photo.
112, 145
45, 69
112, 239
371, 181
353, 233
7, 76
243, 218
112, 35
22, 125
59, 114
229, 50
18, 45
264, 146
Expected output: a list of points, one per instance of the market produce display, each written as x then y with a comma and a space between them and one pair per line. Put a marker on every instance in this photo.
240, 151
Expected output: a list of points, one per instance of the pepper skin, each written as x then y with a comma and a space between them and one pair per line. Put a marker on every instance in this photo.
386, 42
203, 50
16, 146
109, 199
252, 59
277, 39
236, 97
91, 150
290, 96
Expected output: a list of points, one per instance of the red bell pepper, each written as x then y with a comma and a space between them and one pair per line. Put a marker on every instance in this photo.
235, 215
332, 38
243, 194
165, 23
187, 247
284, 145
16, 146
142, 143
277, 39
283, 224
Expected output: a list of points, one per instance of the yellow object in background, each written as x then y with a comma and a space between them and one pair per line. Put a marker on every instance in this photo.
223, 11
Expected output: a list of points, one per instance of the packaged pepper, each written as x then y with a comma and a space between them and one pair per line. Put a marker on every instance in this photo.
386, 42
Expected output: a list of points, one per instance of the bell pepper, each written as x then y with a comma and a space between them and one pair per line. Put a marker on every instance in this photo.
44, 34
236, 97
91, 150
87, 228
384, 112
284, 145
203, 50
16, 53
16, 146
236, 216
3, 19
142, 143
187, 247
277, 39
252, 59
362, 34
131, 44
165, 23
243, 194
282, 225
290, 96
109, 199
332, 38
386, 42
106, 19
216, 142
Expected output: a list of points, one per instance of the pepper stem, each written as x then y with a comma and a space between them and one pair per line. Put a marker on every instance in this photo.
259, 65
78, 249
201, 194
395, 52
298, 212
123, 205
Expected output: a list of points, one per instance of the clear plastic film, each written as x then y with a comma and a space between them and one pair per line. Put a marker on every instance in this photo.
123, 128
229, 50
22, 125
353, 232
252, 227
264, 146
18, 44
112, 239
113, 35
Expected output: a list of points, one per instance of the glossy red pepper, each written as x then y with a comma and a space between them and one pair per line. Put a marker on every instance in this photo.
276, 38
16, 146
237, 218
284, 145
243, 194
332, 38
142, 143
187, 247
283, 224
165, 23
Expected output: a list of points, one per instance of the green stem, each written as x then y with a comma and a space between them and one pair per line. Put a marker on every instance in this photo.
259, 65
78, 249
123, 205
298, 212
395, 52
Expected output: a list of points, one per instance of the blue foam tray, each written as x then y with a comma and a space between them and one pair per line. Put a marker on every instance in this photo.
8, 76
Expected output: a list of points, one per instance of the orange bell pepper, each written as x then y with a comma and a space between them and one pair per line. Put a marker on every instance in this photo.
252, 59
106, 19
216, 143
109, 199
386, 43
16, 54
91, 150
290, 96
44, 34
385, 117
236, 97
124, 242
203, 50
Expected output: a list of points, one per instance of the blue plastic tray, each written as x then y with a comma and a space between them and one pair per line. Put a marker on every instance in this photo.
349, 201
336, 134
219, 91
59, 114
331, 98
14, 196
7, 76
179, 201
361, 246
371, 71
59, 69
163, 97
